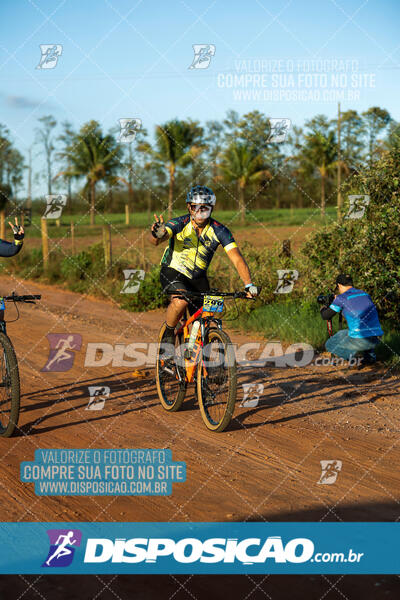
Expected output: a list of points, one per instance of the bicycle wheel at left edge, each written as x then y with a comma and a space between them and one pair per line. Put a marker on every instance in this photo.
170, 378
9, 387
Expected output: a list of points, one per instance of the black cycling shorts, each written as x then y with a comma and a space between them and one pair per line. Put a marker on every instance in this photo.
173, 281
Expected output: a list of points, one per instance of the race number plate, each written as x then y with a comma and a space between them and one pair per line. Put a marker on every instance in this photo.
213, 304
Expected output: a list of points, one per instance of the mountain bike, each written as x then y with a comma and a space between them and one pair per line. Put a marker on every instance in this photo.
9, 374
204, 354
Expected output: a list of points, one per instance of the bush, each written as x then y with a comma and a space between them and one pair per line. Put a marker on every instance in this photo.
77, 267
150, 293
367, 248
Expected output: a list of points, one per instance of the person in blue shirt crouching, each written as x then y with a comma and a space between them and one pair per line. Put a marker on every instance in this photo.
364, 330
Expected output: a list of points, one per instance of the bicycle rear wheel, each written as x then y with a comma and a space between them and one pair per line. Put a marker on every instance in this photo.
9, 387
171, 377
216, 380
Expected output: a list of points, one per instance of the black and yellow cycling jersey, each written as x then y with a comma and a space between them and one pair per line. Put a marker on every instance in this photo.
191, 254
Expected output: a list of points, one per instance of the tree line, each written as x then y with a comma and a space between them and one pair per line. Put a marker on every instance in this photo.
237, 156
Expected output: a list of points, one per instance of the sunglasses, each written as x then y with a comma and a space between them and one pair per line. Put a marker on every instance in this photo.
200, 207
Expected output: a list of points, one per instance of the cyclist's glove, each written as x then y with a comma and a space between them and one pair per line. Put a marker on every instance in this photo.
158, 230
18, 235
253, 289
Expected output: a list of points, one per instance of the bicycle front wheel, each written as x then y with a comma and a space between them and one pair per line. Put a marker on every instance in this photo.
216, 380
9, 387
170, 376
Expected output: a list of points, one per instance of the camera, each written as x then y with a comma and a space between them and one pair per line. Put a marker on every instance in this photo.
325, 299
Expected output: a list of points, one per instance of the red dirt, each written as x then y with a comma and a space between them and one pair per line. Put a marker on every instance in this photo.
264, 467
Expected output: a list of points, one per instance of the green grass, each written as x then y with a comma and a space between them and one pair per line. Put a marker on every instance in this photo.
279, 216
274, 217
82, 224
287, 322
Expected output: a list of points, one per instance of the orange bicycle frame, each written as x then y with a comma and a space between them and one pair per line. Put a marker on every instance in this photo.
191, 363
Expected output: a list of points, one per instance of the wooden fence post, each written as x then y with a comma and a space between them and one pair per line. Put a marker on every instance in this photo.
72, 237
2, 225
107, 245
143, 254
58, 222
45, 243
127, 214
286, 250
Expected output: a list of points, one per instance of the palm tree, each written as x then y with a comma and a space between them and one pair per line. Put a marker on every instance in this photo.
243, 165
45, 137
66, 137
320, 153
177, 144
93, 155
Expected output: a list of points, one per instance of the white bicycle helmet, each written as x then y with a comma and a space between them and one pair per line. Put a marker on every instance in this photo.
201, 194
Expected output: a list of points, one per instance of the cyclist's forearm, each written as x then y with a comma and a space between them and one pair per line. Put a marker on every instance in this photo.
153, 240
241, 267
157, 241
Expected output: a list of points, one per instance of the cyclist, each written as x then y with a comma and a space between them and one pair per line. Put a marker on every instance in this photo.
193, 240
364, 332
8, 248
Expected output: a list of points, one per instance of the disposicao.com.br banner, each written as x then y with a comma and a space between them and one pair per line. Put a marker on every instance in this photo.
214, 548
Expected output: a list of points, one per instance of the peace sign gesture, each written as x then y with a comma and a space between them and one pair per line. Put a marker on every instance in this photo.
18, 231
158, 229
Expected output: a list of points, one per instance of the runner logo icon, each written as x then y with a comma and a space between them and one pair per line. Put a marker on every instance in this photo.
251, 394
62, 348
50, 54
98, 396
128, 130
133, 279
330, 470
62, 542
203, 54
286, 279
55, 205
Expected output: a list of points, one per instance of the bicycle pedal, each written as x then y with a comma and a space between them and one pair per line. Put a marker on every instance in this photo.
167, 368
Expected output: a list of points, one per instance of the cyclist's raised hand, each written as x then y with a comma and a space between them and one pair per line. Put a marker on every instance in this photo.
158, 229
18, 231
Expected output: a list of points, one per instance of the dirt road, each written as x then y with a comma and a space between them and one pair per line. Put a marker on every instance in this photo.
265, 467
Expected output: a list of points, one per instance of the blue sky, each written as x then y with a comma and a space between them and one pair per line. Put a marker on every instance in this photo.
130, 59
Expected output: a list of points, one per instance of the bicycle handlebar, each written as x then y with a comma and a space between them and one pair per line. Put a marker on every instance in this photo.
30, 298
183, 293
